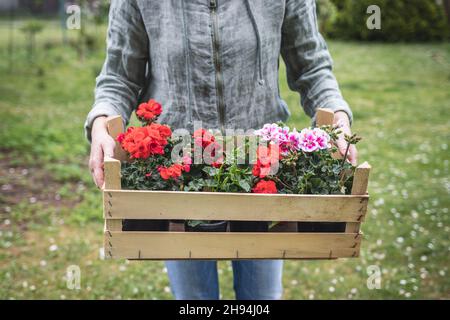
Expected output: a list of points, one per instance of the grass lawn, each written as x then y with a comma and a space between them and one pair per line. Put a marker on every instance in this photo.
50, 212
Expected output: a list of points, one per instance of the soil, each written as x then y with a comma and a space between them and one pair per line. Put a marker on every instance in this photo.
32, 184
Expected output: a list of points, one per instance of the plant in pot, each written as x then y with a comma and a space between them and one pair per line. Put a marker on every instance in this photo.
238, 178
307, 166
150, 167
222, 173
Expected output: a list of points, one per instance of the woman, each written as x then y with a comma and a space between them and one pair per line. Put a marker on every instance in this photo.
214, 61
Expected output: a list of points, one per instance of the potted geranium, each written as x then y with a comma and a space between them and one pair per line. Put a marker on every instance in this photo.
216, 173
287, 161
150, 167
306, 166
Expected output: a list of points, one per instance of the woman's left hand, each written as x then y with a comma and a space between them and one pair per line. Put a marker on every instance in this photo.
342, 119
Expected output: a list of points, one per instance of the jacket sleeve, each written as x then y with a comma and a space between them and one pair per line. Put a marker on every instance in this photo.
123, 73
308, 61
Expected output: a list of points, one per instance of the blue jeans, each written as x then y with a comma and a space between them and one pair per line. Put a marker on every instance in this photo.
253, 279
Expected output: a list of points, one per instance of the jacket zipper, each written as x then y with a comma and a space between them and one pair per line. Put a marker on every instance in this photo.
217, 65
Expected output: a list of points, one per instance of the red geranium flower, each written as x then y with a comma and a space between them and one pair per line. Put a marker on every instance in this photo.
149, 111
213, 154
266, 158
187, 161
268, 155
218, 163
143, 142
120, 137
264, 186
173, 172
203, 138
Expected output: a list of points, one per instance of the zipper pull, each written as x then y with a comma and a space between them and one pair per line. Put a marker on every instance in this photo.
212, 4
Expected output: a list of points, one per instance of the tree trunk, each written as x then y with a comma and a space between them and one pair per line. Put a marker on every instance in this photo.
447, 9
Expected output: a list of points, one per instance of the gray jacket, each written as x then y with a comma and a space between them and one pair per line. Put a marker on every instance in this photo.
214, 61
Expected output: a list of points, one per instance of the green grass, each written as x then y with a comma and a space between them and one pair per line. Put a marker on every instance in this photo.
400, 95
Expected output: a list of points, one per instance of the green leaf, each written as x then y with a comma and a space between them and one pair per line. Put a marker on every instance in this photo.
273, 224
211, 171
245, 185
195, 223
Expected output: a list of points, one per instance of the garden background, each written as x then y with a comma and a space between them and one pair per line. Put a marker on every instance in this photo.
396, 79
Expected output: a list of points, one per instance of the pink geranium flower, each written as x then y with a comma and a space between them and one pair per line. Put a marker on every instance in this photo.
322, 138
314, 139
308, 140
277, 135
269, 133
294, 139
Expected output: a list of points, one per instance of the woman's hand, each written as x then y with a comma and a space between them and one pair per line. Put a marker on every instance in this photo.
341, 118
102, 146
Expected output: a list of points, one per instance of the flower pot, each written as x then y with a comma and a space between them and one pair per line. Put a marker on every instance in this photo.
217, 226
249, 226
321, 227
145, 225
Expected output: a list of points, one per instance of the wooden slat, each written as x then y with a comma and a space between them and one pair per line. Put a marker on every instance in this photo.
232, 206
112, 181
208, 245
359, 187
324, 117
352, 226
114, 125
111, 169
113, 224
361, 179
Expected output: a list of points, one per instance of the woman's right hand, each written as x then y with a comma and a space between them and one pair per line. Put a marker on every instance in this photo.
102, 146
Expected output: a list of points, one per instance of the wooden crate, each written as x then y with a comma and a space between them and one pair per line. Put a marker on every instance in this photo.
121, 204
